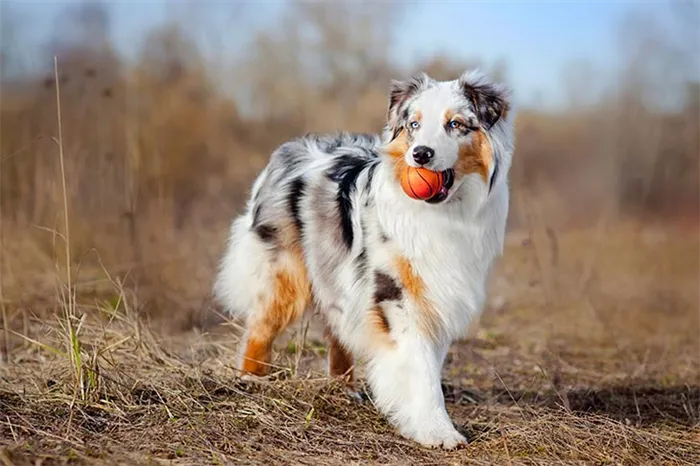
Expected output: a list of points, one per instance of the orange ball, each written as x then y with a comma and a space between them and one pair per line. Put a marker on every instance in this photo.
421, 183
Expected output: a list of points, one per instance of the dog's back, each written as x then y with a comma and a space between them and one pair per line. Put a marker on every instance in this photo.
307, 181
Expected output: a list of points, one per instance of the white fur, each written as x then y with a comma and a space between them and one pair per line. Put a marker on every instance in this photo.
450, 245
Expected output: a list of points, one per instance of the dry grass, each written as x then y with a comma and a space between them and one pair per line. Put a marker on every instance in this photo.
153, 405
538, 383
589, 350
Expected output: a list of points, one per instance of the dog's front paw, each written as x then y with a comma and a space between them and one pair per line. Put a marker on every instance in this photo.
248, 380
447, 438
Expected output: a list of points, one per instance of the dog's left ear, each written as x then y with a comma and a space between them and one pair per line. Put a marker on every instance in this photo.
490, 100
399, 93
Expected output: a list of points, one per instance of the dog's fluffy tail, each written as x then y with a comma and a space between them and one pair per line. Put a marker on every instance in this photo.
243, 271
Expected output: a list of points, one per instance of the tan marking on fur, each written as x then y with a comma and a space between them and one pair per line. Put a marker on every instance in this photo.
418, 116
290, 296
504, 111
289, 238
340, 360
400, 166
449, 114
256, 356
472, 95
452, 115
428, 319
475, 157
379, 327
396, 149
379, 320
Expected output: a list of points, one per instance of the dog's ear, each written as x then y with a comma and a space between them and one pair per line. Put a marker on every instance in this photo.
399, 93
490, 100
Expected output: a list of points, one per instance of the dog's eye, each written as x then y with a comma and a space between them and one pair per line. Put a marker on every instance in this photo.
454, 124
414, 124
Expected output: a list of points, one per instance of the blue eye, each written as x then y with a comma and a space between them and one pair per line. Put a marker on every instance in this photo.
454, 124
414, 124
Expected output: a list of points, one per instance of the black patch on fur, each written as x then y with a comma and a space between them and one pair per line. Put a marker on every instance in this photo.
385, 288
296, 192
400, 91
383, 237
370, 176
345, 172
267, 233
489, 103
361, 261
361, 264
493, 177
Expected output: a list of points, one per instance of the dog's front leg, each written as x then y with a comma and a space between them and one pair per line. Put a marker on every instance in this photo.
405, 382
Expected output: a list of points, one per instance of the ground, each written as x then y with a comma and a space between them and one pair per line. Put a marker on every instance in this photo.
588, 353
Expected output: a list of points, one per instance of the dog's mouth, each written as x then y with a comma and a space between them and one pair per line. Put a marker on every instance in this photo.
444, 191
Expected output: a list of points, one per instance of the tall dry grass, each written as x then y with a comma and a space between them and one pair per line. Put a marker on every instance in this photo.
158, 156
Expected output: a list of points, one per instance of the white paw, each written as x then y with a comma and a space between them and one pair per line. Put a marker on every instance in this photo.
252, 379
447, 438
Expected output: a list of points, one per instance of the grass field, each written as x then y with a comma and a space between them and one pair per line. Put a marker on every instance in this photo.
118, 177
588, 353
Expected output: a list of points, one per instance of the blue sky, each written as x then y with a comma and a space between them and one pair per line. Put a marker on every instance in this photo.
536, 39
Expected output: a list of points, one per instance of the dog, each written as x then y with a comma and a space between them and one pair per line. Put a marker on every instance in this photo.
396, 280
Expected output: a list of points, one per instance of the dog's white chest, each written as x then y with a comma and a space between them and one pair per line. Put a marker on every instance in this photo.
456, 271
453, 259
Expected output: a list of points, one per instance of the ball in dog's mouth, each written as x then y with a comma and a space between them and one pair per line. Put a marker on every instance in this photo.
444, 191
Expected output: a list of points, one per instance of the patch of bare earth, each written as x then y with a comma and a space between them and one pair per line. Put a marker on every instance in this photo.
576, 361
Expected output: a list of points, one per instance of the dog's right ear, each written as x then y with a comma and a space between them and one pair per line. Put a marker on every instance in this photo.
490, 100
399, 93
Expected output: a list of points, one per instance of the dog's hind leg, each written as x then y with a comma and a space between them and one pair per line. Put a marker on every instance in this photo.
341, 365
284, 301
265, 283
340, 360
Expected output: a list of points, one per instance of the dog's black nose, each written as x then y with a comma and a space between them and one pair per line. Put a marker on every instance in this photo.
423, 154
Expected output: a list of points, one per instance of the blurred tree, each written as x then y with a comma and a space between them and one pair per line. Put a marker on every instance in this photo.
81, 42
658, 165
84, 24
692, 100
312, 56
442, 67
581, 85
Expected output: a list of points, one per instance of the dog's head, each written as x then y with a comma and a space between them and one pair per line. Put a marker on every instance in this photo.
460, 127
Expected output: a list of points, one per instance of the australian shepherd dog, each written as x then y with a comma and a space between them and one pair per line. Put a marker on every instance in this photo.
395, 279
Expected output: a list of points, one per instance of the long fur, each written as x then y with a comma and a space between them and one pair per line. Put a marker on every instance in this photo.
397, 280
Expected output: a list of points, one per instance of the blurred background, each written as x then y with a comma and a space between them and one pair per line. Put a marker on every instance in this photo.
170, 109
